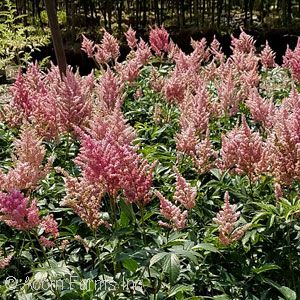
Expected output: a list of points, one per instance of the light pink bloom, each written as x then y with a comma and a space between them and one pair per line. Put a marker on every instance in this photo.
262, 110
204, 155
87, 46
227, 219
174, 89
131, 38
110, 45
142, 53
184, 193
4, 262
245, 43
267, 57
291, 60
109, 89
28, 156
172, 213
186, 140
242, 151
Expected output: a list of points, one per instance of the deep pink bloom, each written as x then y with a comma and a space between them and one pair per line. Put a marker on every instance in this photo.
159, 40
108, 156
50, 226
18, 212
46, 242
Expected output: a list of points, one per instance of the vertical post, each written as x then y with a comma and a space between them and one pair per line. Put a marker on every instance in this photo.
56, 36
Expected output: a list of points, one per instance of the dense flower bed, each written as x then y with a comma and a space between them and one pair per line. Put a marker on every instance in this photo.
165, 176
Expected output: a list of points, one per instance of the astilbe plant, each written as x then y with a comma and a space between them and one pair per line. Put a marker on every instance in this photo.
50, 231
204, 156
284, 147
4, 262
110, 158
184, 196
227, 219
243, 152
104, 52
84, 198
176, 217
28, 168
184, 193
131, 38
52, 104
291, 60
159, 40
18, 212
109, 90
262, 110
267, 57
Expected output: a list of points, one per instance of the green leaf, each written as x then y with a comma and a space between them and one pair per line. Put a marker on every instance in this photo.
157, 257
172, 267
265, 268
179, 288
130, 264
221, 297
206, 246
288, 293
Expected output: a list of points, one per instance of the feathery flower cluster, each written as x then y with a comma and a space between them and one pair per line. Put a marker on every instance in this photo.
28, 159
267, 57
291, 60
109, 157
283, 155
4, 262
159, 40
172, 213
227, 219
53, 104
109, 89
242, 151
185, 196
18, 212
262, 110
131, 38
204, 155
184, 193
84, 198
107, 50
50, 227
